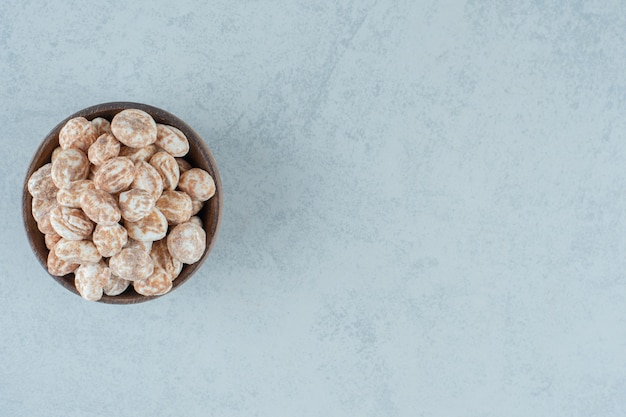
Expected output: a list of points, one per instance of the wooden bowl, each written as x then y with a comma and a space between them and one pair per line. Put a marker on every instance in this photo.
199, 156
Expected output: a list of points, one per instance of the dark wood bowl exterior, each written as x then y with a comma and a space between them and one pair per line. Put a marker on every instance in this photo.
199, 156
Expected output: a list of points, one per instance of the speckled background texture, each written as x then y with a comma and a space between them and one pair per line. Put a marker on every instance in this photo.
424, 209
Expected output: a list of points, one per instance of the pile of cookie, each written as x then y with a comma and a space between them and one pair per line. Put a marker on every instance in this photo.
117, 204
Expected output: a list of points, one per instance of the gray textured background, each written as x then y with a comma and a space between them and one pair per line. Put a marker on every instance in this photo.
424, 209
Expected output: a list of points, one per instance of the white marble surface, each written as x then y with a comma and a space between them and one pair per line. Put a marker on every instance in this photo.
424, 209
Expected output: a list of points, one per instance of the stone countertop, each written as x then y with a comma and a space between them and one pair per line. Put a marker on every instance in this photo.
424, 209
